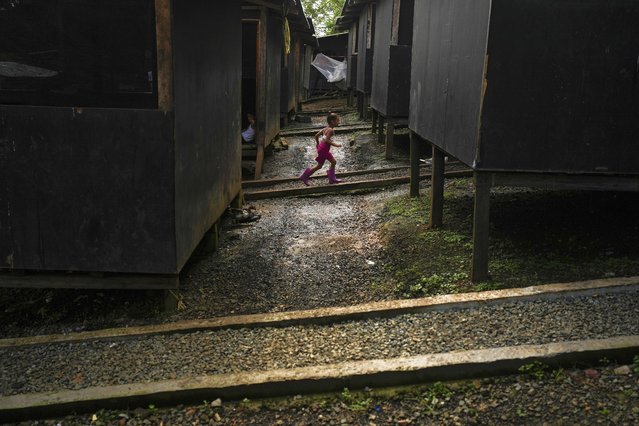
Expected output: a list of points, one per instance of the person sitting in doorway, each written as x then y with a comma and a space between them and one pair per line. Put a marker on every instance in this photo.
248, 135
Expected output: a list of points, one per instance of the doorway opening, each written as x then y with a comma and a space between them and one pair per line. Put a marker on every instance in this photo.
249, 70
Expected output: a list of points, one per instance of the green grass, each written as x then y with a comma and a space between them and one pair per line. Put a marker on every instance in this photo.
536, 237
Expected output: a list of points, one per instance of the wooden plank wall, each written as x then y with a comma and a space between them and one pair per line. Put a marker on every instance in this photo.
274, 42
448, 53
364, 51
562, 87
86, 189
208, 69
381, 56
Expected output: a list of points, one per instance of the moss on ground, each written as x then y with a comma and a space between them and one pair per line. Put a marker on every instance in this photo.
536, 237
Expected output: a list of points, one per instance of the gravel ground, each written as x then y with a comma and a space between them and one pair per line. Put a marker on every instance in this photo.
100, 363
365, 154
303, 253
307, 253
603, 395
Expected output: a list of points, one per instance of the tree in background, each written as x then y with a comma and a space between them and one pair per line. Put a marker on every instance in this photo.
324, 14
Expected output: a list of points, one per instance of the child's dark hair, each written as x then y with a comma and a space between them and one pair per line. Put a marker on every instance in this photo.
331, 118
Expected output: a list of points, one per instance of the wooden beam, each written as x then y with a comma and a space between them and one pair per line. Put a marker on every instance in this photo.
88, 281
259, 161
557, 181
481, 222
437, 189
261, 100
374, 115
380, 128
277, 5
306, 131
390, 133
270, 182
163, 34
367, 102
344, 186
414, 164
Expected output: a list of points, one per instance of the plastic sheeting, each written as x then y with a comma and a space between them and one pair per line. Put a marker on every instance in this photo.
333, 70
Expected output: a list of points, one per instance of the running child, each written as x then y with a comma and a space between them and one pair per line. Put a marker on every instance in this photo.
323, 143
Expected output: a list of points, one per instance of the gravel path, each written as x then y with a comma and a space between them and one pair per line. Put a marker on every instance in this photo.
605, 395
98, 363
365, 154
301, 254
319, 178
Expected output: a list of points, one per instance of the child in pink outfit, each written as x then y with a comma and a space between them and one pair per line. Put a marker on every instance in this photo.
323, 142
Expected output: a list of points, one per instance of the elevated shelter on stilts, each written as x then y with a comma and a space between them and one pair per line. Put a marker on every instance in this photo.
526, 93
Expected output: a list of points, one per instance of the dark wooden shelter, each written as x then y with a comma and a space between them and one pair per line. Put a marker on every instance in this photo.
541, 93
301, 32
119, 137
391, 67
334, 46
351, 61
358, 18
262, 42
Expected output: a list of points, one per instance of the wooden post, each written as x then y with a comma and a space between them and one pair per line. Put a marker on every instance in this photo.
414, 165
481, 221
238, 201
380, 128
390, 133
259, 160
367, 101
170, 301
374, 115
163, 35
211, 239
437, 189
261, 101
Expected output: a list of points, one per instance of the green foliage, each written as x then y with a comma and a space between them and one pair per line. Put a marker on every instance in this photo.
559, 375
104, 417
435, 395
635, 364
324, 14
443, 283
353, 402
409, 208
488, 286
535, 238
535, 369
